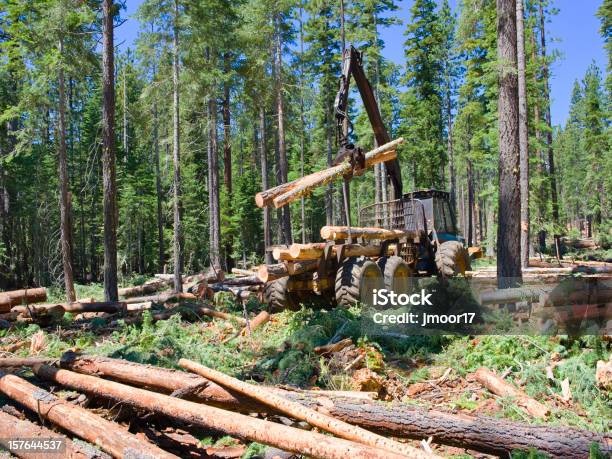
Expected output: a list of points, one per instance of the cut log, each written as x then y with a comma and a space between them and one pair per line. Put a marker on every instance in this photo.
503, 388
315, 250
242, 272
237, 425
481, 433
280, 254
268, 273
260, 319
335, 347
144, 289
161, 298
40, 311
242, 281
306, 184
560, 297
109, 436
300, 412
219, 314
109, 307
511, 295
12, 427
334, 233
265, 198
24, 296
135, 307
15, 362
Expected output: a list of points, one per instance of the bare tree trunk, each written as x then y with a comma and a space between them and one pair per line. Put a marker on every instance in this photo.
523, 134
282, 147
470, 206
329, 205
450, 150
158, 189
263, 156
538, 135
213, 179
303, 126
65, 226
111, 215
227, 151
508, 233
549, 142
125, 118
176, 154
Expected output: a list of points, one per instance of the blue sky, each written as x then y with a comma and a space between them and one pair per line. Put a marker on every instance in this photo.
574, 32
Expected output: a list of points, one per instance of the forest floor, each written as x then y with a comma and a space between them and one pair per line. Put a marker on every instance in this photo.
426, 371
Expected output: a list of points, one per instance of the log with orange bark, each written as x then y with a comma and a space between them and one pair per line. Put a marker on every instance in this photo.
24, 296
110, 437
286, 193
504, 389
237, 425
334, 233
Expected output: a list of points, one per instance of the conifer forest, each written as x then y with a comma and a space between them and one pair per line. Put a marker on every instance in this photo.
193, 220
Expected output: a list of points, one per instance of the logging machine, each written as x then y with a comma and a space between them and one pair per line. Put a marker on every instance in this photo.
411, 234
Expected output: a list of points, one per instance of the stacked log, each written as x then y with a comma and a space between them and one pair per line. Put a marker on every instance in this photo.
286, 193
24, 296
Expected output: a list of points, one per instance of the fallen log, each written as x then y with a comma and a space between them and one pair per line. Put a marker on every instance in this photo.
135, 307
40, 311
560, 297
281, 253
335, 347
110, 307
315, 250
481, 433
302, 413
12, 428
260, 319
219, 314
503, 388
334, 233
236, 425
161, 298
109, 436
15, 362
511, 295
24, 296
242, 272
144, 289
211, 275
242, 281
306, 184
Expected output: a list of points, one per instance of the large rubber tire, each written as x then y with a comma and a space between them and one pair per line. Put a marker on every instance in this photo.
278, 298
397, 274
356, 279
452, 259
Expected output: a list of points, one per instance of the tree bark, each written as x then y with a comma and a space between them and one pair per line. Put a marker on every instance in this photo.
263, 157
508, 233
305, 185
158, 190
176, 154
470, 211
12, 427
213, 178
504, 389
110, 437
65, 209
481, 433
300, 412
523, 134
282, 146
227, 153
334, 233
538, 135
237, 425
17, 297
111, 214
549, 139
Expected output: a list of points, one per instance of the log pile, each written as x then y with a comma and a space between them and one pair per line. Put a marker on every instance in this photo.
248, 412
